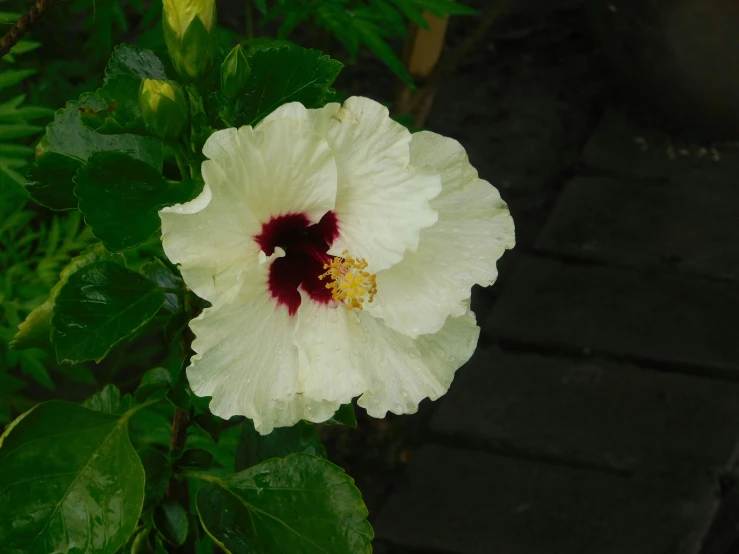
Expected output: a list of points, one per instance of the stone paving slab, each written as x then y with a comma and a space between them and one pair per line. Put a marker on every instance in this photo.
527, 119
530, 210
627, 313
688, 225
723, 537
592, 412
466, 502
622, 146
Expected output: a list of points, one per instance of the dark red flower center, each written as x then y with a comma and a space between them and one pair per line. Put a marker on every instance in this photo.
305, 247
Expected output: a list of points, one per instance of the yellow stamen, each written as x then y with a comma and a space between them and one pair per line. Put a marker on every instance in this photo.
349, 281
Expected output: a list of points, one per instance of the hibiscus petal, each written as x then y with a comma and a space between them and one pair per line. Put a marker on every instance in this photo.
460, 250
344, 354
382, 202
246, 361
280, 167
211, 244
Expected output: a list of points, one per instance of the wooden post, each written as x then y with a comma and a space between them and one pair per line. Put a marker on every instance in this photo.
423, 46
422, 52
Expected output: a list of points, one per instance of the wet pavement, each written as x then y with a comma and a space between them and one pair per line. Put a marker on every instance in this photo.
600, 414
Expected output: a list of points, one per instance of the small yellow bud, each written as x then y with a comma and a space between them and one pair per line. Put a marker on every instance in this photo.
164, 108
180, 13
187, 27
235, 73
154, 90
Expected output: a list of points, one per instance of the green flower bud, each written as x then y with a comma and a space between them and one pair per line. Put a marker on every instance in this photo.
164, 108
187, 26
235, 73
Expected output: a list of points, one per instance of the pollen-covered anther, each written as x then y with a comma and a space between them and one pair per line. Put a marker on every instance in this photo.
350, 283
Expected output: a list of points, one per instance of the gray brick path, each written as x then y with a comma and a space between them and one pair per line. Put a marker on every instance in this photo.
686, 224
600, 414
597, 413
656, 316
622, 146
470, 502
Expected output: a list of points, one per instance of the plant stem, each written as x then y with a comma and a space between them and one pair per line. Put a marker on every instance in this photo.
420, 106
449, 64
181, 165
190, 157
179, 429
249, 19
177, 441
135, 409
202, 476
20, 27
180, 421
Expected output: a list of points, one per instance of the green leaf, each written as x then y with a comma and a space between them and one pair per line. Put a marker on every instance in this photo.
297, 504
166, 279
28, 113
121, 113
18, 130
12, 112
78, 373
11, 105
9, 17
181, 396
373, 40
36, 329
67, 144
261, 5
133, 61
337, 20
389, 16
32, 365
222, 450
158, 468
103, 24
101, 305
49, 182
9, 387
282, 74
23, 46
154, 380
9, 396
70, 482
11, 77
138, 543
15, 150
412, 12
170, 519
209, 423
120, 92
109, 401
254, 448
440, 8
196, 458
344, 416
200, 128
121, 198
176, 324
204, 545
152, 427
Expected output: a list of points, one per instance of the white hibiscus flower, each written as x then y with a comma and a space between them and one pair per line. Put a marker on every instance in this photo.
338, 252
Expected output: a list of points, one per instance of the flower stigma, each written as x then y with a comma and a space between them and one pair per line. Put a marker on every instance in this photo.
350, 284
